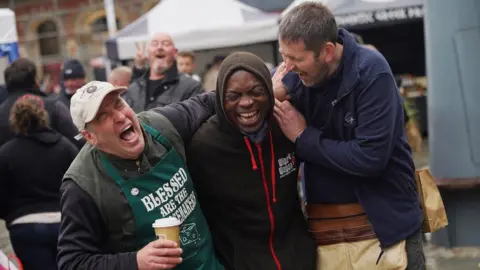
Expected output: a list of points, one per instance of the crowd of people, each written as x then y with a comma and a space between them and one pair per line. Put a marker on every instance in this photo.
85, 173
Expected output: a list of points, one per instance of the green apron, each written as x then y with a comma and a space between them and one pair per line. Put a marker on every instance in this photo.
167, 191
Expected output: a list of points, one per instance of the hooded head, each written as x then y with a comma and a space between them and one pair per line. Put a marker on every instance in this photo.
244, 92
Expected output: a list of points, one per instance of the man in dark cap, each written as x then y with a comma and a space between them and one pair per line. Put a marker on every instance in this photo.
73, 78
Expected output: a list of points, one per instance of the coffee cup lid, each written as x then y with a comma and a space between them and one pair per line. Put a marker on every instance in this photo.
166, 222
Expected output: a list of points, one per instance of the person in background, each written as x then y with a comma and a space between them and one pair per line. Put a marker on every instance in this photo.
248, 194
120, 76
161, 83
32, 165
345, 116
186, 64
21, 79
72, 78
210, 77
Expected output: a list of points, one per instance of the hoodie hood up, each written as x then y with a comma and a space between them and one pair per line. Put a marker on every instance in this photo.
241, 61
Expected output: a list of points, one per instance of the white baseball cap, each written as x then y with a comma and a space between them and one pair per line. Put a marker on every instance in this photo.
85, 103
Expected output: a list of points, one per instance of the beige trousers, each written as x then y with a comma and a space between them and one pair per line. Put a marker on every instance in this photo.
361, 255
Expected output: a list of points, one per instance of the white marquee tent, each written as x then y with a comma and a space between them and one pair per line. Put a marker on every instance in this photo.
298, 2
8, 39
197, 25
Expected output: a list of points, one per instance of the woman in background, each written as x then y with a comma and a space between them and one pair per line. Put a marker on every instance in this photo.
32, 165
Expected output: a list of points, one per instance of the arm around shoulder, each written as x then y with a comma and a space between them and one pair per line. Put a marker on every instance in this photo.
188, 115
82, 235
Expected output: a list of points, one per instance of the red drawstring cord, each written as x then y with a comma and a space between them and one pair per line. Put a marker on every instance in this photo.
252, 157
272, 153
272, 165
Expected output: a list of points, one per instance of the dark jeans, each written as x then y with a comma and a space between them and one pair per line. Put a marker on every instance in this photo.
35, 244
415, 254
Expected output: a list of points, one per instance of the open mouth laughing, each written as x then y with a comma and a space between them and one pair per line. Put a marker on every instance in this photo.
249, 118
128, 134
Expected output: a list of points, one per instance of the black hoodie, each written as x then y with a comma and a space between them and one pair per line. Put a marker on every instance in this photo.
58, 114
248, 191
31, 170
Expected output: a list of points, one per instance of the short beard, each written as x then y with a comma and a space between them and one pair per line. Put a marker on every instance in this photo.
323, 74
159, 70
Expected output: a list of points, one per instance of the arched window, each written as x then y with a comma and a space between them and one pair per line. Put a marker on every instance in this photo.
100, 25
47, 35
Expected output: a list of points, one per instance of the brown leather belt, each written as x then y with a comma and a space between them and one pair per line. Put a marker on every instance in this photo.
338, 223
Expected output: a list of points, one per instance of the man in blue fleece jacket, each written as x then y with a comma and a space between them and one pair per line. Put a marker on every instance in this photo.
348, 125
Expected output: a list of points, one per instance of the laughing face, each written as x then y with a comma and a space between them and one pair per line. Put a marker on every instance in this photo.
115, 129
246, 101
161, 53
310, 67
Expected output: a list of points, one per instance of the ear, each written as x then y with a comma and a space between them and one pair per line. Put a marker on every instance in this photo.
329, 51
90, 137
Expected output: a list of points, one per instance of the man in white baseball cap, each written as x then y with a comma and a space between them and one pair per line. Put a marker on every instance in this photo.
85, 104
130, 173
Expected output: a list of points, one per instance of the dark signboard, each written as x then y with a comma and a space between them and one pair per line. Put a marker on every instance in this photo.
383, 16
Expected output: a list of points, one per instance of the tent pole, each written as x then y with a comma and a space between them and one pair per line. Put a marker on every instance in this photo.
112, 28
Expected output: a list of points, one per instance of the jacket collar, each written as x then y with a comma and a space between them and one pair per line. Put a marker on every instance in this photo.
23, 91
43, 135
350, 72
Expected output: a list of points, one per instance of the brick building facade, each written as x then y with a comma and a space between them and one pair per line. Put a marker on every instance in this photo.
50, 31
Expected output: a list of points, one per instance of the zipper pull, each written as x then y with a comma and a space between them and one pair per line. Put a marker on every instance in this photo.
138, 165
334, 102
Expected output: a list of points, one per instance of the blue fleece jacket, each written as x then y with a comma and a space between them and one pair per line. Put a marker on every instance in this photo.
357, 140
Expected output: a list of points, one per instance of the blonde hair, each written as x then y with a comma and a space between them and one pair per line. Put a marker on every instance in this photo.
28, 115
187, 54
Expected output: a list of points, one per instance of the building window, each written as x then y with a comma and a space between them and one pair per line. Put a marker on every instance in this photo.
47, 35
100, 25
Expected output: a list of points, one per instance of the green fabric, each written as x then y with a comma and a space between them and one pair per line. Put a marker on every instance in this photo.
167, 191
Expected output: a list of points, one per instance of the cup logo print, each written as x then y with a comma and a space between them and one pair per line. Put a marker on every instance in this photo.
189, 234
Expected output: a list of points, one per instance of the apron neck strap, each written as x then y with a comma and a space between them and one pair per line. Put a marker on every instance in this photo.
157, 136
111, 170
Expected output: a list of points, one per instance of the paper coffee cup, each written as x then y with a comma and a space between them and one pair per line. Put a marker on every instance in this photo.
168, 228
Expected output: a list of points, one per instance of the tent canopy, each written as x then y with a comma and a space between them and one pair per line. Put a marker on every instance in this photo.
8, 31
355, 13
197, 25
295, 3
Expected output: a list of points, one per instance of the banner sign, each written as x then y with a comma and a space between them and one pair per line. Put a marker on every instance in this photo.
10, 50
381, 16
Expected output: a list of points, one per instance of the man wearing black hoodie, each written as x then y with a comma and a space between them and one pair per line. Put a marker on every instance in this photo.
362, 204
245, 175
